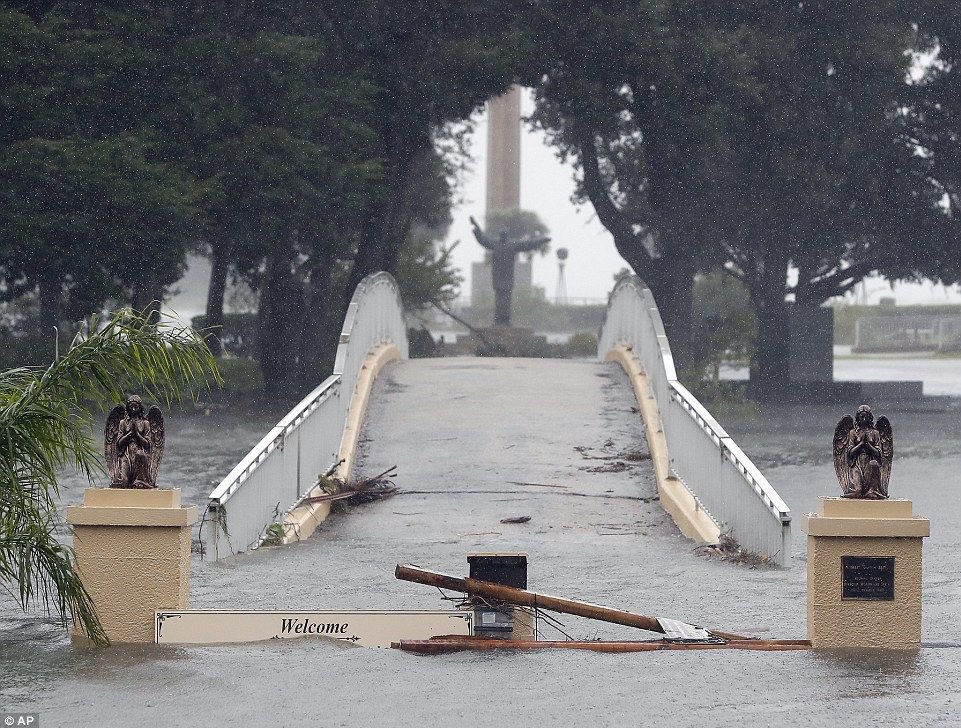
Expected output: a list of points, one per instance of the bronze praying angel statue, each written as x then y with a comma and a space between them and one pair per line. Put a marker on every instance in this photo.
134, 444
862, 455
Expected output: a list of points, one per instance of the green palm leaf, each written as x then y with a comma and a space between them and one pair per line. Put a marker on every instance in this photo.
45, 425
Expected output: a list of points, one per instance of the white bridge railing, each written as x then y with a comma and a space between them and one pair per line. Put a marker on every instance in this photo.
286, 463
703, 456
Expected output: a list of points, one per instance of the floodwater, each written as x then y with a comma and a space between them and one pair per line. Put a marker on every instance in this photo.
460, 447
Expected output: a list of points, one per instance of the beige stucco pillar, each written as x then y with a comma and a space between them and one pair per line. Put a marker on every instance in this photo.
864, 574
133, 554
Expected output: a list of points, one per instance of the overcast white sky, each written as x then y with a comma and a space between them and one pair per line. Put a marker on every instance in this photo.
546, 187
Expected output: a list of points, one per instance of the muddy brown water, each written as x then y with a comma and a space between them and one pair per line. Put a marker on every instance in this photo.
478, 452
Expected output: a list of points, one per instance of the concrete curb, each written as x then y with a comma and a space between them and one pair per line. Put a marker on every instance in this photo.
301, 522
675, 498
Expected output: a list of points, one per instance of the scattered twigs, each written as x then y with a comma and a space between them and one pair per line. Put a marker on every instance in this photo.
728, 549
524, 598
355, 492
617, 466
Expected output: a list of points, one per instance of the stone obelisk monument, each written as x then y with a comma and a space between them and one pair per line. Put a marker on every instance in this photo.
503, 193
504, 151
503, 184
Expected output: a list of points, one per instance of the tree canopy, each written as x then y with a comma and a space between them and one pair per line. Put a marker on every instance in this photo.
293, 142
761, 137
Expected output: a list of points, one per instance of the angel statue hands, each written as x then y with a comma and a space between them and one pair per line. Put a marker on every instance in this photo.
863, 454
134, 445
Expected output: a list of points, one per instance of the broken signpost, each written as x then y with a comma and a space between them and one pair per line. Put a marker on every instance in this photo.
715, 639
524, 598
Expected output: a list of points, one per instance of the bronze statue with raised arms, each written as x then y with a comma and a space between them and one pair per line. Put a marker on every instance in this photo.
503, 251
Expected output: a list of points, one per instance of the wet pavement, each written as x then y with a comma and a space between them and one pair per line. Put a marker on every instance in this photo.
477, 440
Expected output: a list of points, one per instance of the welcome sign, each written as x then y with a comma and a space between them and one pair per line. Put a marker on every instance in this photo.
364, 628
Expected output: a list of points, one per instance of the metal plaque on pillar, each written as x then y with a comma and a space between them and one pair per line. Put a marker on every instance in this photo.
868, 578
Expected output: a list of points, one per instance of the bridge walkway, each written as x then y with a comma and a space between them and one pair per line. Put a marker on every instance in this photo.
476, 440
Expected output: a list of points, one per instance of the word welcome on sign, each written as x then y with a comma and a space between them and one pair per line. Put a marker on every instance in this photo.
362, 628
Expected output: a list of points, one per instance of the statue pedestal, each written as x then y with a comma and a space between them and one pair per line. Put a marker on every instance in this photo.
509, 341
864, 574
133, 554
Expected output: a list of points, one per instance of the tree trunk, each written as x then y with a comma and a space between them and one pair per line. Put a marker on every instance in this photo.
280, 318
320, 331
390, 219
383, 236
147, 298
214, 319
672, 283
770, 374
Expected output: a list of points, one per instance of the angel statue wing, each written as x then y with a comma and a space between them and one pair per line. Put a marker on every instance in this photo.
886, 443
110, 455
840, 448
157, 441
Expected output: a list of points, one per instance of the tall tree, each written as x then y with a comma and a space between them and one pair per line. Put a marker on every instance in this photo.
758, 135
825, 178
86, 221
429, 63
633, 93
246, 116
277, 121
89, 212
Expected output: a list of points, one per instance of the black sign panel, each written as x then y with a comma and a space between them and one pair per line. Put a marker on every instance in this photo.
867, 577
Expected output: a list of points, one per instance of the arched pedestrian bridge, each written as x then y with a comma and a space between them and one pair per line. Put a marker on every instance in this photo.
530, 434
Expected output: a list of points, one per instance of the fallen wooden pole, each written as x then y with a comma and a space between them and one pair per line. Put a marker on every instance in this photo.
442, 645
524, 598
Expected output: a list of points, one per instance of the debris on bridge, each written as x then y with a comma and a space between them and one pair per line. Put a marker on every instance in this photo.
614, 462
355, 492
524, 598
617, 466
728, 549
458, 643
516, 519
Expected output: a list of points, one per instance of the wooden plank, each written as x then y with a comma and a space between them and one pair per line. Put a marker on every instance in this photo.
525, 598
442, 645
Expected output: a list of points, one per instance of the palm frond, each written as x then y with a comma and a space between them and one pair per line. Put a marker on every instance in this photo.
45, 425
